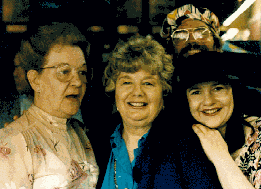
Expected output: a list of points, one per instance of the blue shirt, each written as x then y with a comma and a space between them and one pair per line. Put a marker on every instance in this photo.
119, 154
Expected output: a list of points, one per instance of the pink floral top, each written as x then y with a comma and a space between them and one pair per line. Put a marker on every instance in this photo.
41, 151
249, 156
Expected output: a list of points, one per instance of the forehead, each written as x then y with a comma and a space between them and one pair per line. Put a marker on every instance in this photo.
206, 84
72, 55
190, 23
141, 74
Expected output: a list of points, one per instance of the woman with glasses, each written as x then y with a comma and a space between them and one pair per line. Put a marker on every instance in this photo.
190, 30
44, 148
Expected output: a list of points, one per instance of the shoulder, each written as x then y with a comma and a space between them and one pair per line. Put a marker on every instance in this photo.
19, 125
12, 141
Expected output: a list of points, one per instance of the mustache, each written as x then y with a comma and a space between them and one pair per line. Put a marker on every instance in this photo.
193, 46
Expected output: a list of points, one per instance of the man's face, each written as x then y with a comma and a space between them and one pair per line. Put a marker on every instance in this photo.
192, 45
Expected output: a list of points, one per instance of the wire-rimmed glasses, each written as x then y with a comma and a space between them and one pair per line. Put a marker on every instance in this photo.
199, 34
64, 72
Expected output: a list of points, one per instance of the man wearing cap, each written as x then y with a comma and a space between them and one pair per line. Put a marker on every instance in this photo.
190, 30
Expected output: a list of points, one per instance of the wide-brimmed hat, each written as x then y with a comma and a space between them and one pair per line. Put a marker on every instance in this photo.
222, 68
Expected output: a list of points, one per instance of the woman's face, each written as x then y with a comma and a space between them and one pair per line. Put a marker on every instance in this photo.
138, 98
210, 103
59, 98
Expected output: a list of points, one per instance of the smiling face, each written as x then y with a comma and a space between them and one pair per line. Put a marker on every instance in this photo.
61, 99
192, 46
138, 98
211, 104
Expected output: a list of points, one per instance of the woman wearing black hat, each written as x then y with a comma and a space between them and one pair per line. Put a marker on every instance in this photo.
220, 107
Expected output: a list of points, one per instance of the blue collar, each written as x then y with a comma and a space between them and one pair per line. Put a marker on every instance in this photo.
116, 137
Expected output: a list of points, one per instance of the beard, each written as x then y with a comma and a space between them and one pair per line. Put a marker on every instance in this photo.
191, 49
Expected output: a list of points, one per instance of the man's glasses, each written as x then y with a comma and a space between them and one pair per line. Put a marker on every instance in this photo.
64, 72
199, 34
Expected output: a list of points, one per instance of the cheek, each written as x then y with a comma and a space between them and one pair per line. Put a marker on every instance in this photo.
156, 99
83, 90
192, 105
179, 47
230, 106
119, 95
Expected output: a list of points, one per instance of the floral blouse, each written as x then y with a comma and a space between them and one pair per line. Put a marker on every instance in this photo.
41, 151
249, 156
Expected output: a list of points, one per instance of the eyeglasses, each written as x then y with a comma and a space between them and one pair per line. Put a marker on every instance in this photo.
199, 34
64, 72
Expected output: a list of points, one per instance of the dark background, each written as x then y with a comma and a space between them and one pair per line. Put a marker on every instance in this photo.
108, 14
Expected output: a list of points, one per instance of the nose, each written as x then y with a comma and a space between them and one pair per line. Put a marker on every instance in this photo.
191, 38
209, 99
137, 90
76, 80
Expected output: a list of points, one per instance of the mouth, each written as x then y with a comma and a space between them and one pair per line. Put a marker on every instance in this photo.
137, 104
211, 112
73, 96
193, 51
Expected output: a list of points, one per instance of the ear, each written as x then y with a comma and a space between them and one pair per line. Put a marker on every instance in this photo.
33, 78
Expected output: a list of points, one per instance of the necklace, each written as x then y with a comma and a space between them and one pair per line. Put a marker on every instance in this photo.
115, 180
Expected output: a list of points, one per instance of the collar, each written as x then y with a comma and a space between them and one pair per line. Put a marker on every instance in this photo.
53, 122
116, 137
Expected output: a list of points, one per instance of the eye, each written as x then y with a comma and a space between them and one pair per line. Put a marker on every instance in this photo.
182, 35
219, 88
194, 92
64, 72
148, 83
198, 35
126, 83
83, 73
201, 33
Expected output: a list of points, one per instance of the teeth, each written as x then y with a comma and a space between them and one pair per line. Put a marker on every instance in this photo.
137, 104
211, 111
193, 51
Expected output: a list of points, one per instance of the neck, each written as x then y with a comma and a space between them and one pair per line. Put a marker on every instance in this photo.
131, 136
222, 130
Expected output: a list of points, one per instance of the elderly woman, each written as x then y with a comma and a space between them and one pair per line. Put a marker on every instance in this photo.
44, 148
228, 135
138, 72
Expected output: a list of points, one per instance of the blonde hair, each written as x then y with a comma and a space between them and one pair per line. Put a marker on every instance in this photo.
139, 53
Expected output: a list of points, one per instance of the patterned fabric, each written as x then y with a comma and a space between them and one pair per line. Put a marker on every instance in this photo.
249, 156
41, 151
189, 11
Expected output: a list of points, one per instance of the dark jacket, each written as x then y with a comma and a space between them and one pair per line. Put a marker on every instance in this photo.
168, 159
174, 160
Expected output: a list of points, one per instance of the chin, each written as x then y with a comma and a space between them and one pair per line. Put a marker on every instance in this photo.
212, 125
70, 112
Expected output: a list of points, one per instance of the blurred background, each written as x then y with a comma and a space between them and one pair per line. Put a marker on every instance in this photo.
105, 22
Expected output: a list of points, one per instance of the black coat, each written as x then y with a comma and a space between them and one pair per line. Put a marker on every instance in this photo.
174, 160
167, 160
